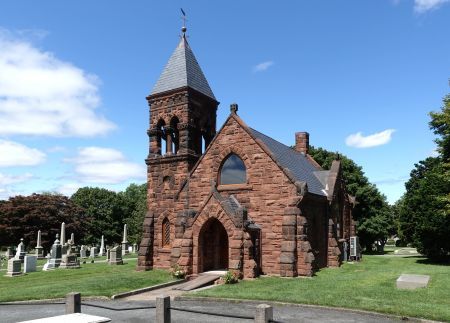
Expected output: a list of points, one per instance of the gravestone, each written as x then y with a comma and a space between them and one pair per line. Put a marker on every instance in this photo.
406, 281
14, 267
55, 255
125, 240
20, 252
108, 254
39, 249
102, 247
45, 268
9, 253
83, 251
29, 264
135, 248
115, 256
93, 253
69, 260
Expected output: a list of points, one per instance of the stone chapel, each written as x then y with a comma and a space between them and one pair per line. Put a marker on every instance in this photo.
233, 199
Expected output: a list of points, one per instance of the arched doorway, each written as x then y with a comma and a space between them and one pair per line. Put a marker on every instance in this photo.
213, 246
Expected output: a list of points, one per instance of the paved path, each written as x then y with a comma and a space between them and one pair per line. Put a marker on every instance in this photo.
288, 314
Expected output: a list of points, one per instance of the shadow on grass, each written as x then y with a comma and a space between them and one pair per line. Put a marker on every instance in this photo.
426, 261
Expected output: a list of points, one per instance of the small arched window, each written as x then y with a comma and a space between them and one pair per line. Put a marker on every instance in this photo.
166, 232
233, 171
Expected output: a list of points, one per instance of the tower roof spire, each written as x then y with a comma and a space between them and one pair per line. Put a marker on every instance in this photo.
183, 70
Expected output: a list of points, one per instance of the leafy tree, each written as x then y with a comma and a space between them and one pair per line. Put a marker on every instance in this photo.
105, 210
372, 211
424, 216
134, 205
23, 216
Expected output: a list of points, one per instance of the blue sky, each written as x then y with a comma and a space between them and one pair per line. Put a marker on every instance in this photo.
359, 76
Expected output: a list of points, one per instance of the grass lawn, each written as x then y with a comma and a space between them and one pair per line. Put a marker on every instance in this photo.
98, 279
368, 285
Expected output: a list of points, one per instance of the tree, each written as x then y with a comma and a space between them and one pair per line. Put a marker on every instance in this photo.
23, 216
372, 211
105, 210
424, 216
134, 205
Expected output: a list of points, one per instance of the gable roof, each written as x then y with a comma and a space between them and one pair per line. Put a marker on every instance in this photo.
297, 163
182, 70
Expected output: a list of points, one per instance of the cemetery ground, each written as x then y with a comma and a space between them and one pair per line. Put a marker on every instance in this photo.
368, 285
97, 279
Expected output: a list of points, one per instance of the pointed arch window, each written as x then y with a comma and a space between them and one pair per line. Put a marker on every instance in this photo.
166, 233
233, 171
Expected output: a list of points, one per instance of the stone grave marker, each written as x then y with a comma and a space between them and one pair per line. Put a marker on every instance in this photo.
115, 256
14, 267
20, 252
93, 253
39, 249
55, 255
29, 264
69, 260
125, 240
407, 281
9, 253
83, 252
102, 247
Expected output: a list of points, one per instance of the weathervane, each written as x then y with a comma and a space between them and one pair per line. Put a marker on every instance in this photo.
183, 17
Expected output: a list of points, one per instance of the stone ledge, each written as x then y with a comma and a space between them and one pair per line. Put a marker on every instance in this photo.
407, 281
148, 289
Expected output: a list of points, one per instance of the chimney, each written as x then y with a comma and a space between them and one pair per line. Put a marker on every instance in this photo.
302, 142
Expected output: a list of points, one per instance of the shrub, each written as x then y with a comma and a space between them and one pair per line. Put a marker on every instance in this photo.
230, 277
177, 272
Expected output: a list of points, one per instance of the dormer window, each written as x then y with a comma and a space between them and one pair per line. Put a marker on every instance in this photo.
233, 171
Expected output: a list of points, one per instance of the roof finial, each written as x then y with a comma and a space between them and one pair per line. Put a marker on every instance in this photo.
183, 17
233, 108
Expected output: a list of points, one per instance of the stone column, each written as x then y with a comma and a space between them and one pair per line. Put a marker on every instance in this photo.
288, 256
145, 254
102, 247
125, 240
63, 234
333, 249
39, 249
306, 259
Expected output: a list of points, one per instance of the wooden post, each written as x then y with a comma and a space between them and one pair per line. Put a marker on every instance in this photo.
264, 313
73, 303
163, 309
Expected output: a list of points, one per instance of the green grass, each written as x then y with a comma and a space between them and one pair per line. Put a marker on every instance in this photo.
98, 279
368, 285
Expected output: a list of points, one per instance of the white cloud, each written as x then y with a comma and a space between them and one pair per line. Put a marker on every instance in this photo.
421, 6
357, 140
15, 154
105, 166
69, 188
262, 66
43, 95
13, 179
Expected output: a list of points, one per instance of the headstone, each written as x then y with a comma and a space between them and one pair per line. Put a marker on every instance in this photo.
93, 253
63, 234
29, 264
115, 256
72, 238
125, 240
14, 267
9, 253
39, 249
20, 252
69, 260
102, 247
45, 268
406, 281
83, 251
130, 249
108, 254
55, 255
134, 247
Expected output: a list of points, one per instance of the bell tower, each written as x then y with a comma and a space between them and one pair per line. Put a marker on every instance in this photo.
183, 112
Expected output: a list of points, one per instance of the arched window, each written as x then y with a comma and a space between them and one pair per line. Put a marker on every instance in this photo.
175, 135
166, 232
161, 137
233, 171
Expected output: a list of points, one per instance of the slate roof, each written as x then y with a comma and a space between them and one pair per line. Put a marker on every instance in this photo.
297, 163
182, 70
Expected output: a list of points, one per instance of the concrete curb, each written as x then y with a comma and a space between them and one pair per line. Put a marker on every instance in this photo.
273, 303
148, 289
